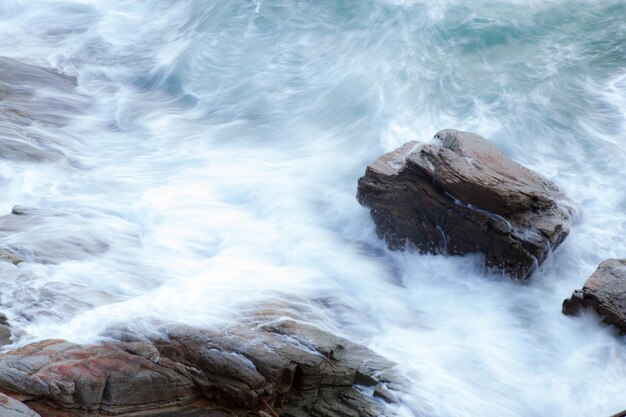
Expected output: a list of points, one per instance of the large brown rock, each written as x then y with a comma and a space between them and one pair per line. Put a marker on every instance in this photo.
604, 292
297, 370
462, 195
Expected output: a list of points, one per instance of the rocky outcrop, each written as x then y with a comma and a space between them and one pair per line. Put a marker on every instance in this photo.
462, 195
284, 367
604, 292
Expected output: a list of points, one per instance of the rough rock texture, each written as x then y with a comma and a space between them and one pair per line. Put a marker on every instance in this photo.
10, 407
462, 195
296, 369
604, 292
5, 330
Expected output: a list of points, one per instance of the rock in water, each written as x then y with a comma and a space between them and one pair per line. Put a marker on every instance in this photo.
5, 330
604, 292
34, 107
462, 195
285, 367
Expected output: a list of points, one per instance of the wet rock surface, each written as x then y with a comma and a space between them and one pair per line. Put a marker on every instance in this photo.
284, 367
462, 195
45, 244
5, 330
34, 105
604, 292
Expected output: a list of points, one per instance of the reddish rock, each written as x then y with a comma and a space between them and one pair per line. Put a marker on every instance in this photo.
298, 369
462, 195
604, 292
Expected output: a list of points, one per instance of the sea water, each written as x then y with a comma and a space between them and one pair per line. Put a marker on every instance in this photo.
213, 173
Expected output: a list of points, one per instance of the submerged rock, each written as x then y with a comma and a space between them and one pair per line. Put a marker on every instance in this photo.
10, 256
34, 104
286, 367
47, 236
462, 195
604, 292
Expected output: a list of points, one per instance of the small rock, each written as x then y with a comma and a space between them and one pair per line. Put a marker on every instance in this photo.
5, 330
5, 335
9, 255
382, 392
604, 292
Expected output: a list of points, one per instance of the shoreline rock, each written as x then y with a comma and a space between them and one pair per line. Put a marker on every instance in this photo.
604, 292
291, 368
462, 195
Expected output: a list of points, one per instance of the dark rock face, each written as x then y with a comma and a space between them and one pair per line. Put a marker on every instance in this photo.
294, 369
5, 330
604, 292
462, 195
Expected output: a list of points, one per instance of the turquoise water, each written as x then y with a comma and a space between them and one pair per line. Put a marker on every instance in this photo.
218, 158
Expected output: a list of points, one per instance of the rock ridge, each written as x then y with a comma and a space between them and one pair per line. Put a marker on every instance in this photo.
283, 367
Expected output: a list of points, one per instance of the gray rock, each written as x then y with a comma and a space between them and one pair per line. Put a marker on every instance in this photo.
47, 236
5, 335
381, 391
9, 255
462, 195
604, 292
34, 104
10, 407
5, 330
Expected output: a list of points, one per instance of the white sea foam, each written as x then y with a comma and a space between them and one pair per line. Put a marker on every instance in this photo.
218, 161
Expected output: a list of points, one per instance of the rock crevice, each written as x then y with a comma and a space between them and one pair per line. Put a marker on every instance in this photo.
462, 195
236, 372
604, 292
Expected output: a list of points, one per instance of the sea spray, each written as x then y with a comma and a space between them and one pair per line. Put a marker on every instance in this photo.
218, 158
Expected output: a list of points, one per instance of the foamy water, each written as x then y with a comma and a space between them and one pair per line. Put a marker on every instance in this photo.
213, 171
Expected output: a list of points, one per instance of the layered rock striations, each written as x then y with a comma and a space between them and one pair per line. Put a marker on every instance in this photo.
604, 292
462, 195
285, 367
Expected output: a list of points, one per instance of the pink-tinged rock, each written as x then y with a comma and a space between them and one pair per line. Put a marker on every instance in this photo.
295, 368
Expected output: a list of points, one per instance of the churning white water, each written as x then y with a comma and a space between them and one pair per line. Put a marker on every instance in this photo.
212, 170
